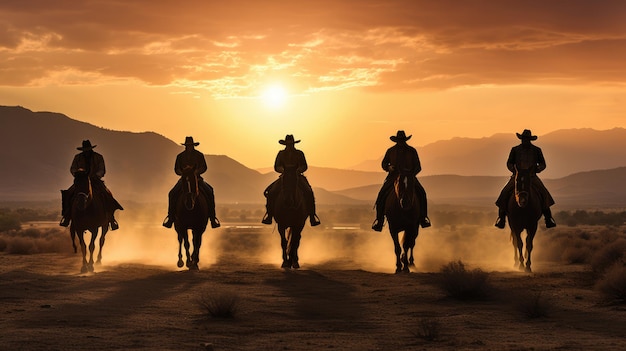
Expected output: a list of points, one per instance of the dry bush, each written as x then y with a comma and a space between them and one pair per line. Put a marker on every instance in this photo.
464, 284
428, 329
613, 284
608, 255
35, 241
533, 305
577, 254
219, 305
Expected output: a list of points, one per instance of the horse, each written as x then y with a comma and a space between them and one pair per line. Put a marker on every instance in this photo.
402, 209
192, 213
88, 214
290, 214
523, 212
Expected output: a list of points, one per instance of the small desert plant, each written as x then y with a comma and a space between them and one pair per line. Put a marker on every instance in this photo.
533, 305
428, 329
608, 255
219, 305
613, 284
464, 284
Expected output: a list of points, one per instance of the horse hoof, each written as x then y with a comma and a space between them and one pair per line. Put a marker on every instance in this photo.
285, 265
528, 270
296, 265
180, 263
83, 269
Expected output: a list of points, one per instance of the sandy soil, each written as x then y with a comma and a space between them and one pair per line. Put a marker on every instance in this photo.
345, 296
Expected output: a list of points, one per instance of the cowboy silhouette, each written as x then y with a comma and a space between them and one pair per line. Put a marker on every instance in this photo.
292, 158
91, 163
190, 158
525, 156
400, 157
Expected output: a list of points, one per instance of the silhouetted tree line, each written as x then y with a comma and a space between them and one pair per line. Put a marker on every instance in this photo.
13, 218
582, 217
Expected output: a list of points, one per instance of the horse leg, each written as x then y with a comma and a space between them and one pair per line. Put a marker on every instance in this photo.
398, 250
284, 244
518, 247
83, 248
186, 245
180, 262
529, 248
197, 242
92, 248
295, 244
408, 244
102, 237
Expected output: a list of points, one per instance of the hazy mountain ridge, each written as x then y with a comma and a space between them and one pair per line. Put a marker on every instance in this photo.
566, 152
37, 149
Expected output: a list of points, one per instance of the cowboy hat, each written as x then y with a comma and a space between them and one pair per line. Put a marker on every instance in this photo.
288, 140
400, 136
86, 146
526, 134
189, 141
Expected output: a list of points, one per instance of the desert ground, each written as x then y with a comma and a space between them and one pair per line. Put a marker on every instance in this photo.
345, 296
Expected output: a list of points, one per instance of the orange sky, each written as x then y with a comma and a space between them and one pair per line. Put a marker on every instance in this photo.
346, 74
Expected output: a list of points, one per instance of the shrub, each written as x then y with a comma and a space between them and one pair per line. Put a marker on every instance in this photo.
533, 305
613, 284
219, 305
608, 255
464, 284
428, 329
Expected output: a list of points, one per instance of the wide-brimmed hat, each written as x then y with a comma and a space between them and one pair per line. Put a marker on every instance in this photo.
86, 146
400, 136
526, 134
189, 141
289, 140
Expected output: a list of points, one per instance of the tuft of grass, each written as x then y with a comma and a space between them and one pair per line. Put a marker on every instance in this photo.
220, 305
613, 283
534, 305
428, 329
609, 255
463, 284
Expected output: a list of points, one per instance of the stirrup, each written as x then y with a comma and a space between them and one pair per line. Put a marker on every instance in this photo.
114, 224
378, 225
267, 219
167, 223
315, 220
215, 223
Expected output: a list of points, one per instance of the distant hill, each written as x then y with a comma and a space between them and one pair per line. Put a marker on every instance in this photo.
36, 149
566, 151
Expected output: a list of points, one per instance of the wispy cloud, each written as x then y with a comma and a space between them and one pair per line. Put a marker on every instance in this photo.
229, 48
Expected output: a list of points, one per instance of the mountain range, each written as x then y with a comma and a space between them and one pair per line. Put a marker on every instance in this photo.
587, 167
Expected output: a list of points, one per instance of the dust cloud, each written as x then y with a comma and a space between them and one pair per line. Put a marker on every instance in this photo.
142, 239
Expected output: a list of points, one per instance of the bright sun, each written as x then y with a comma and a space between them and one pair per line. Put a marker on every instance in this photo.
274, 96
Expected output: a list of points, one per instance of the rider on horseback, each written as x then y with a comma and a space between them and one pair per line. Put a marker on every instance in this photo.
190, 158
292, 158
91, 163
525, 156
400, 157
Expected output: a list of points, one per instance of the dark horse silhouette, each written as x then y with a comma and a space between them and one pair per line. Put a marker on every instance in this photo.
290, 214
192, 212
402, 210
524, 212
88, 214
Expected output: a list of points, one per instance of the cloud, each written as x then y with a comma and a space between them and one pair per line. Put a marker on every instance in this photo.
230, 48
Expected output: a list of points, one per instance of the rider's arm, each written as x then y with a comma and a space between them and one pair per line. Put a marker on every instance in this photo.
541, 162
74, 167
278, 163
302, 165
201, 167
386, 163
99, 164
510, 163
417, 165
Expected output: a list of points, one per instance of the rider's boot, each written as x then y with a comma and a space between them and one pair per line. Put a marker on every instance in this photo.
169, 220
501, 221
550, 222
380, 219
314, 220
215, 223
65, 218
425, 222
114, 224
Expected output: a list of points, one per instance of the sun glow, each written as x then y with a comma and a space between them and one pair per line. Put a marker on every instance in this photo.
274, 96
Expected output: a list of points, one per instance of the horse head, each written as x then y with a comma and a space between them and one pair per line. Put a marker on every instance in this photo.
191, 190
84, 191
289, 186
522, 186
404, 187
